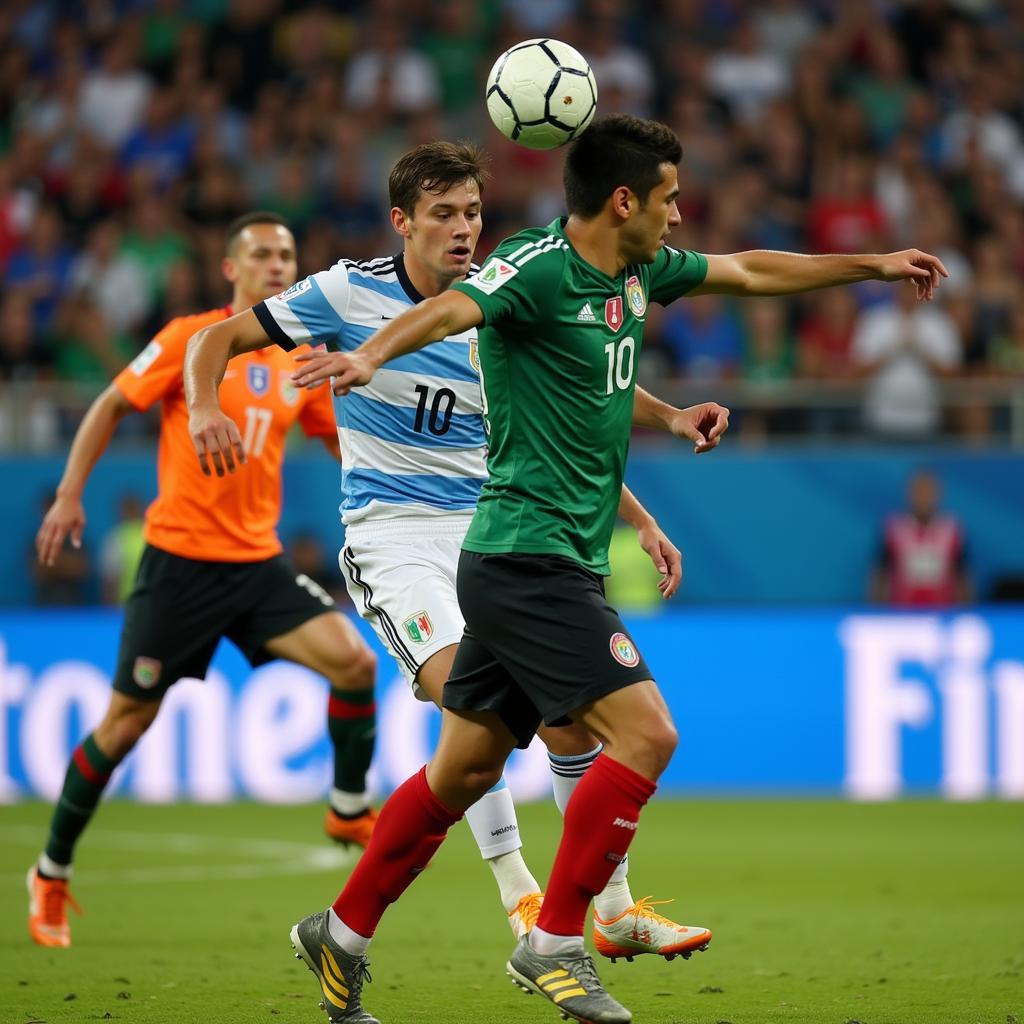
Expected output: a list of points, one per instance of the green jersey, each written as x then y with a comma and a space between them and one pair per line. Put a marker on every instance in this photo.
558, 350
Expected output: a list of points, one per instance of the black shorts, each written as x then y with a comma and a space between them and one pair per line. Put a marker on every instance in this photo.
540, 641
181, 607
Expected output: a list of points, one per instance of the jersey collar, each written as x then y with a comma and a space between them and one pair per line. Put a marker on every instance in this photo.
404, 280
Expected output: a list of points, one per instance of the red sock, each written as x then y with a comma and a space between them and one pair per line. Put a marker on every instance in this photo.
411, 826
600, 822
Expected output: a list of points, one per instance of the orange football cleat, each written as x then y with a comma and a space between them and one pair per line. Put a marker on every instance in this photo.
47, 914
350, 831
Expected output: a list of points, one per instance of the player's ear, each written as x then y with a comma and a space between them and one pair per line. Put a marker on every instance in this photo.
623, 201
399, 221
229, 270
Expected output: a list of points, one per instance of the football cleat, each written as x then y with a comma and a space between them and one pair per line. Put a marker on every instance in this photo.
350, 831
523, 916
641, 930
340, 974
570, 982
47, 913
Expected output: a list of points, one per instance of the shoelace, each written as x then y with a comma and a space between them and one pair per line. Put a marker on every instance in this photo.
529, 907
54, 898
642, 908
360, 972
583, 970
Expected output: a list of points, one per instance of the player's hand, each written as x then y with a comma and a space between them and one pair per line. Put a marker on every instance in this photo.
702, 424
217, 441
667, 558
921, 268
349, 370
66, 516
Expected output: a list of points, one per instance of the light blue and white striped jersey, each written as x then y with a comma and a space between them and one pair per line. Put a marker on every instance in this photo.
412, 440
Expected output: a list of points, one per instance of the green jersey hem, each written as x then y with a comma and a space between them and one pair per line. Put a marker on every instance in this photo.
482, 547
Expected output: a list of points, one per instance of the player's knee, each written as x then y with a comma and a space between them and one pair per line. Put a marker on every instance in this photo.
663, 740
477, 780
356, 670
117, 734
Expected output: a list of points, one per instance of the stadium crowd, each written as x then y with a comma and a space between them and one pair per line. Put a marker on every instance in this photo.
133, 131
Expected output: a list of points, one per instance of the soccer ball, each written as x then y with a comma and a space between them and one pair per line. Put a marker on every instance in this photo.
541, 93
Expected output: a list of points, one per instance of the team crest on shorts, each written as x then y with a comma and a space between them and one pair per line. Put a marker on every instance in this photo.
635, 295
419, 627
613, 312
289, 392
623, 650
474, 354
259, 379
146, 672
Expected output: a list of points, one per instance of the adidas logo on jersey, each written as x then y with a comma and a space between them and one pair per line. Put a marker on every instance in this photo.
586, 314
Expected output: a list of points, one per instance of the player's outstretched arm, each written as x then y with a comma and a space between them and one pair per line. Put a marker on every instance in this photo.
216, 436
67, 514
766, 272
667, 558
702, 424
431, 320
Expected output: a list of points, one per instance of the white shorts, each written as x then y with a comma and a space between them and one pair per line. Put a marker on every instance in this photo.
400, 574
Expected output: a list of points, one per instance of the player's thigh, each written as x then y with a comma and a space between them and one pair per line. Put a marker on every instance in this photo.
405, 591
174, 617
434, 673
327, 643
546, 621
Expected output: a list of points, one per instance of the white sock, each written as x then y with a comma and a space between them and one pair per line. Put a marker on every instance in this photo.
352, 942
566, 772
553, 945
513, 877
348, 803
52, 869
492, 820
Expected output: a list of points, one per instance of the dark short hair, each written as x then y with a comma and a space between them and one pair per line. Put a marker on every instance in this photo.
616, 150
434, 167
239, 224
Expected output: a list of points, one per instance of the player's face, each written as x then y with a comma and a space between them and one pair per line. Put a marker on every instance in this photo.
443, 231
263, 262
649, 228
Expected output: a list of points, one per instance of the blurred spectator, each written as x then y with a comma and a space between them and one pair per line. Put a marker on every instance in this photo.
1007, 354
22, 354
458, 43
121, 550
884, 91
40, 269
66, 582
903, 350
768, 358
388, 79
244, 44
163, 143
704, 337
923, 558
111, 279
845, 216
745, 76
624, 73
826, 336
154, 241
783, 28
114, 95
86, 349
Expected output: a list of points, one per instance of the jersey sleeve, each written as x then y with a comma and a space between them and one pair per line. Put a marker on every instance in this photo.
312, 311
157, 369
676, 272
516, 283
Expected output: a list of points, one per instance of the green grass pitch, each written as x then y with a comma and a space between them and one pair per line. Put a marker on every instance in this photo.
905, 913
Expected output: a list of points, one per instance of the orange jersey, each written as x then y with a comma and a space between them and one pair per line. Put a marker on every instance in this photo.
231, 518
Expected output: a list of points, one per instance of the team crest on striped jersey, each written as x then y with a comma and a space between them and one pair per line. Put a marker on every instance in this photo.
295, 290
146, 672
494, 274
289, 392
419, 627
474, 354
635, 296
259, 379
613, 312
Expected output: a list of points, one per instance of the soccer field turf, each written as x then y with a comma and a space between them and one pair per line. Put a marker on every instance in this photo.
822, 912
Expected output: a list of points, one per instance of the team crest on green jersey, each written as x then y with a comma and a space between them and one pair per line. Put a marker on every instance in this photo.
419, 627
635, 295
613, 312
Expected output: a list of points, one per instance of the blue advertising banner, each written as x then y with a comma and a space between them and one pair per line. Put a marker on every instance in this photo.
781, 701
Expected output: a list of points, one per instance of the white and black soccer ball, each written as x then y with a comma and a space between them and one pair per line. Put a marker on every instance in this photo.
541, 93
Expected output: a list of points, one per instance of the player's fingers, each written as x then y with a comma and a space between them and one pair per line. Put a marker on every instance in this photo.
304, 357
721, 424
48, 543
76, 535
225, 448
675, 570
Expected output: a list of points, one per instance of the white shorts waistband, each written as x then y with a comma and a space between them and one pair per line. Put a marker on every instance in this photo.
454, 525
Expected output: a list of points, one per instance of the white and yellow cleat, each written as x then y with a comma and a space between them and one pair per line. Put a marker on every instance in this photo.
640, 929
523, 916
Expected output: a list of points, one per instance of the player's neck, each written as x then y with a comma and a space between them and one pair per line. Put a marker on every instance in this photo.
243, 300
428, 284
595, 244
